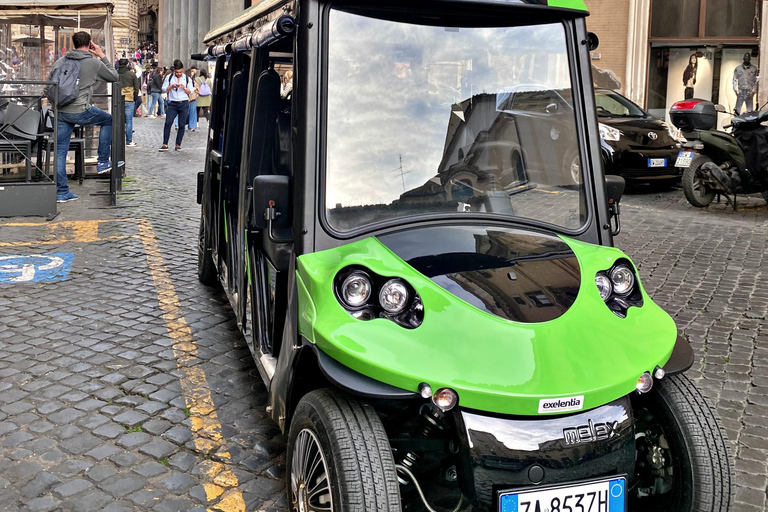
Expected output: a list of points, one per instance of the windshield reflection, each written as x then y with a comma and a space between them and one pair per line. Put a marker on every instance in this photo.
425, 120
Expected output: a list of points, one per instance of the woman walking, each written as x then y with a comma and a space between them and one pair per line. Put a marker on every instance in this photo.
204, 95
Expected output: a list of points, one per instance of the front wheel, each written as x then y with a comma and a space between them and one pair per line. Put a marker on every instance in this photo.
339, 458
206, 271
682, 455
696, 191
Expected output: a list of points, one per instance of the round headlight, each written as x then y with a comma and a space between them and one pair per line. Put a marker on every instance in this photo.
393, 296
445, 399
623, 279
603, 286
356, 289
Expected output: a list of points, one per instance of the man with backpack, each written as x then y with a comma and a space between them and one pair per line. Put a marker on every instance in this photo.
76, 74
178, 86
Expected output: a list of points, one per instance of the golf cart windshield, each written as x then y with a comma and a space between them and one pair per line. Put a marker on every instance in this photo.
434, 120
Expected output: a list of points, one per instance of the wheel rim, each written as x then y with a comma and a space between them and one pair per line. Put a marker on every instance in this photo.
201, 241
698, 185
576, 170
310, 485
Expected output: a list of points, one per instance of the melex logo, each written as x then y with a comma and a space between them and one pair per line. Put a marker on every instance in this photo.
558, 405
591, 432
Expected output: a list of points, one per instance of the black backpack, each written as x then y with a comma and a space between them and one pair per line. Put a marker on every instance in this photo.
67, 74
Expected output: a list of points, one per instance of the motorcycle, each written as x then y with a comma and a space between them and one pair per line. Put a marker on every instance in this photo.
719, 163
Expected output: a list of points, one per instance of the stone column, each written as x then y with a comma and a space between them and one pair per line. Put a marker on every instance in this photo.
176, 31
184, 35
194, 44
162, 20
203, 20
223, 11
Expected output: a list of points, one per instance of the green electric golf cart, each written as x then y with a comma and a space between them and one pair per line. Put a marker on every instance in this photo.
404, 203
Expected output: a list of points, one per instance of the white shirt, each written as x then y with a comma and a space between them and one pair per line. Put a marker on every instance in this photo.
177, 94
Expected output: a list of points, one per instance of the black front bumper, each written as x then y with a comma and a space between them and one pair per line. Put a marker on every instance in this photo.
503, 453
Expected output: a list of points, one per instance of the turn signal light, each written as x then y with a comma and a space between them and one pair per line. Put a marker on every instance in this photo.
445, 399
644, 383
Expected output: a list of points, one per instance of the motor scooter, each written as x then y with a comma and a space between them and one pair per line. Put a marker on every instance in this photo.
720, 163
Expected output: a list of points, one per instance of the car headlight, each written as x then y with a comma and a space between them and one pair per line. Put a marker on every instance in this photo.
393, 296
622, 279
603, 286
609, 133
356, 289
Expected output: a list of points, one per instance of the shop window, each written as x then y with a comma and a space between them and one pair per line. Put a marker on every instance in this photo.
676, 18
732, 18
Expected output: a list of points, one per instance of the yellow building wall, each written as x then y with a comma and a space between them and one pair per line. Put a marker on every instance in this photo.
609, 20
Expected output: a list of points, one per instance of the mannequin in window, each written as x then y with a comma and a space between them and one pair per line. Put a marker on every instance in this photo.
745, 84
689, 76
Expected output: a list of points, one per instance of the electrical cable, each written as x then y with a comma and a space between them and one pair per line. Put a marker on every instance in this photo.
421, 493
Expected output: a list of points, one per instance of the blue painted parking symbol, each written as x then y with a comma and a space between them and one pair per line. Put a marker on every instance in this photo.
35, 268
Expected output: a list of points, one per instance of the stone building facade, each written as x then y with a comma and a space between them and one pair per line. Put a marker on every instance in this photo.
125, 25
184, 23
148, 21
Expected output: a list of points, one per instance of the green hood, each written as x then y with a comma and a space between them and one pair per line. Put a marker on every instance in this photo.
494, 364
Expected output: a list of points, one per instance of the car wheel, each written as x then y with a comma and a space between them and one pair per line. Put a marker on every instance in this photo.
682, 454
339, 458
206, 271
696, 191
575, 170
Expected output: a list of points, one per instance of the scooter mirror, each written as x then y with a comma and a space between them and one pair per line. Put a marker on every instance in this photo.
614, 188
720, 108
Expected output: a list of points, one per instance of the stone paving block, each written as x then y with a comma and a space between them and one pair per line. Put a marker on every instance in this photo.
122, 485
71, 488
158, 448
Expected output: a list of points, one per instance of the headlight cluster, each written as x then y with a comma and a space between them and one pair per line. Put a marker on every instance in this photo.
609, 132
367, 295
618, 288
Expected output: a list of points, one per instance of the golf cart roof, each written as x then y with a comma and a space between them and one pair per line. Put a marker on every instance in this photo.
264, 7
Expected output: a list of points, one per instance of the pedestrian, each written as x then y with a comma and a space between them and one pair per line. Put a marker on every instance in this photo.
81, 112
204, 95
192, 115
178, 86
129, 88
155, 91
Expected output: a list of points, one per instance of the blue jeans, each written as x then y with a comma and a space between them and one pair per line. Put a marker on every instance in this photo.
192, 121
155, 99
130, 108
191, 117
65, 124
176, 108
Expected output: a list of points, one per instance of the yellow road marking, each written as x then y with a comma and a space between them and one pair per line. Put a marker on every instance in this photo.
73, 231
206, 427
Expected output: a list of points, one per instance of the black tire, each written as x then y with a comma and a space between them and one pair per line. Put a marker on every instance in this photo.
696, 444
695, 191
360, 469
206, 271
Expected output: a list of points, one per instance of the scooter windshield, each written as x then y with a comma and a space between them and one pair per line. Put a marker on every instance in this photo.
433, 120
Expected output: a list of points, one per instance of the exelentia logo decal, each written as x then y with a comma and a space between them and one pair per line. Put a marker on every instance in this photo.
558, 405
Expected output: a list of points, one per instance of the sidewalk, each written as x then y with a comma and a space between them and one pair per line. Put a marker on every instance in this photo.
124, 384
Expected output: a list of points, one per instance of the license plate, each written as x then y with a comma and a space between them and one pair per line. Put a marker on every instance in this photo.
684, 159
657, 162
603, 496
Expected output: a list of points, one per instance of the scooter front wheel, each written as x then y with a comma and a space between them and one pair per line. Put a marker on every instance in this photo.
682, 453
696, 191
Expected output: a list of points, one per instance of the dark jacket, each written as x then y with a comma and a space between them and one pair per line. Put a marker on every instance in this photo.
129, 83
91, 71
156, 82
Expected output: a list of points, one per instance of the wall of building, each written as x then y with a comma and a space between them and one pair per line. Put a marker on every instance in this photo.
125, 20
609, 20
184, 23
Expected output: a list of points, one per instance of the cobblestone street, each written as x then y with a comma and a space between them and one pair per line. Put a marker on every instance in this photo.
128, 387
